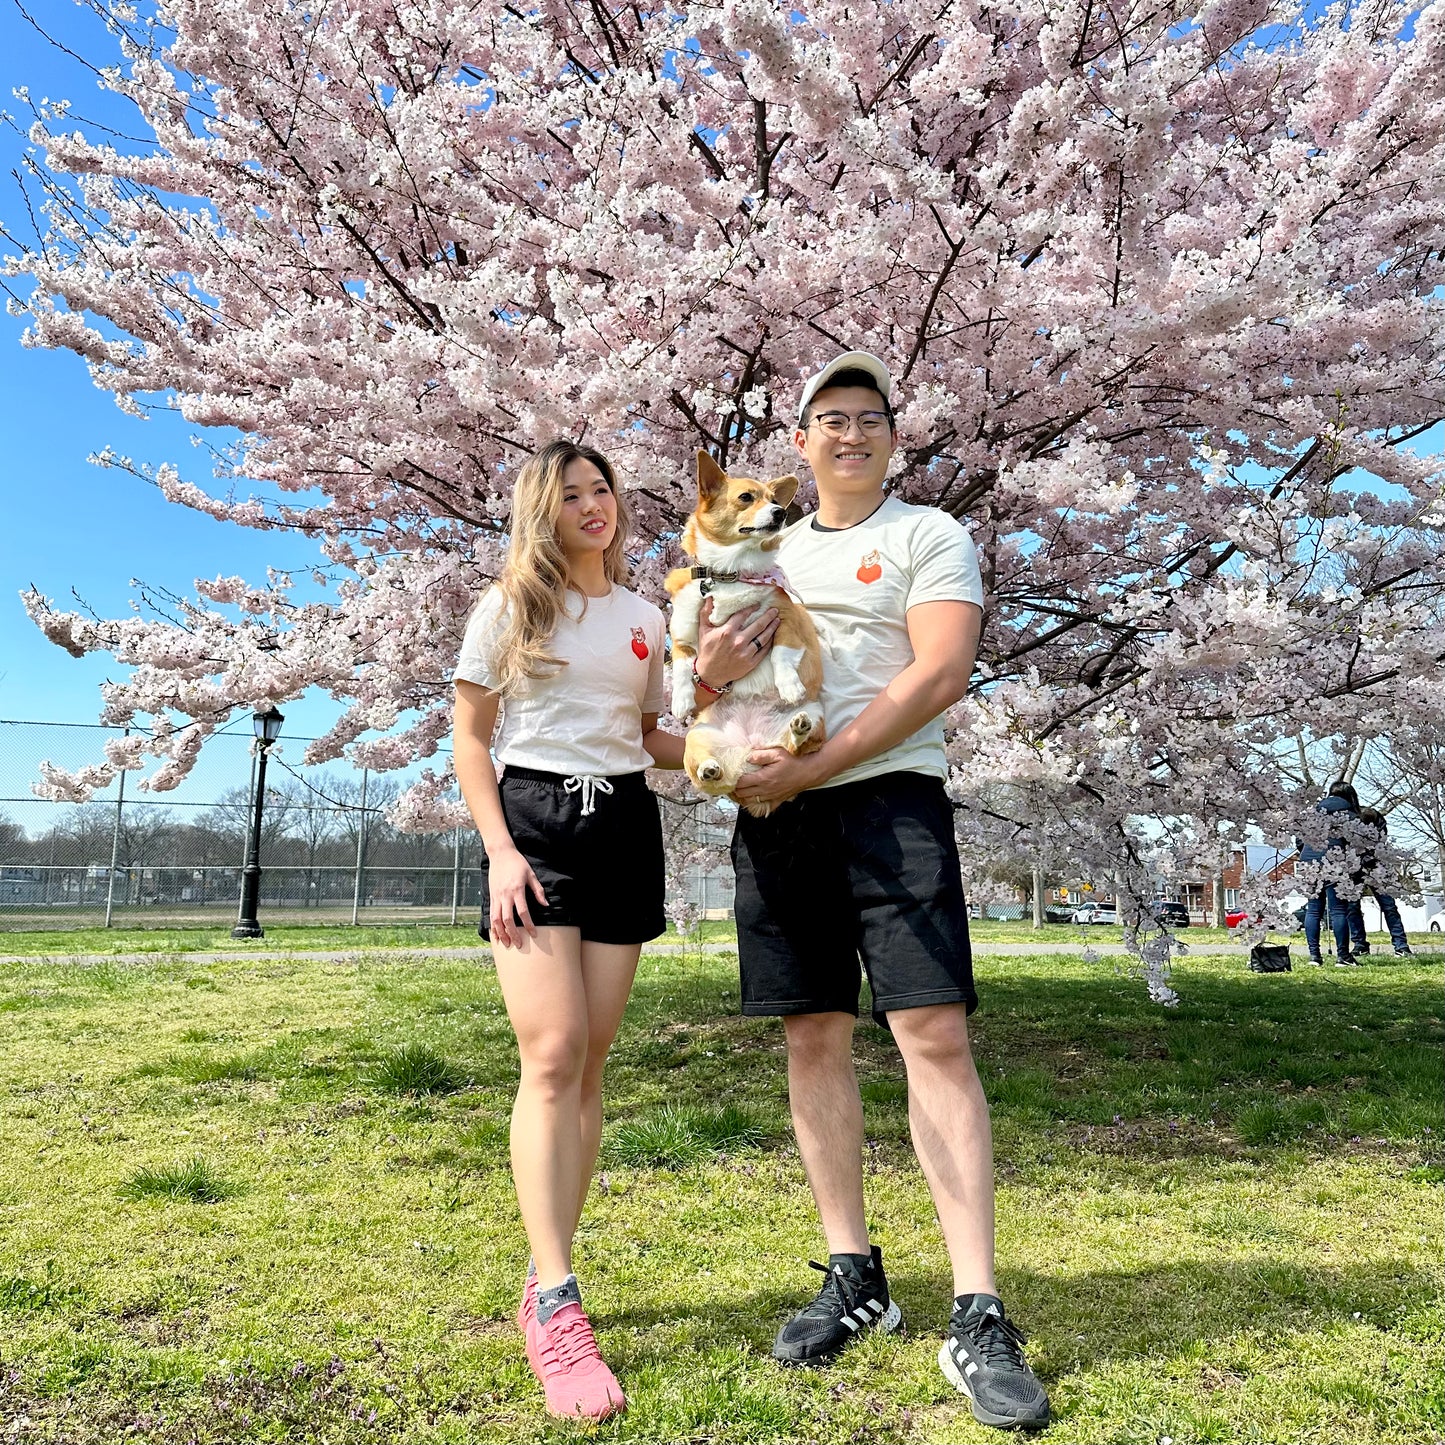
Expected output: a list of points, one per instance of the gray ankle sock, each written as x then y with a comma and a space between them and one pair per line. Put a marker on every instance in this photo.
549, 1301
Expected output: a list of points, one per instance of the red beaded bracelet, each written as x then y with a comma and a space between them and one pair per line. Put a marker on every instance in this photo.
707, 686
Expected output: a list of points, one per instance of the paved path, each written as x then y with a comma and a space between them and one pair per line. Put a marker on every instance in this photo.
981, 949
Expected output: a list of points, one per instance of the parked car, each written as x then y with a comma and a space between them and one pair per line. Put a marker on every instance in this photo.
1095, 913
1170, 911
1437, 922
1235, 917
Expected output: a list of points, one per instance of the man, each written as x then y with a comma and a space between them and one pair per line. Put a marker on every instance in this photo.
862, 862
1342, 806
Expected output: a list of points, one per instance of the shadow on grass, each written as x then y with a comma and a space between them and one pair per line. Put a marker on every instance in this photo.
1246, 1062
1087, 1320
1068, 1053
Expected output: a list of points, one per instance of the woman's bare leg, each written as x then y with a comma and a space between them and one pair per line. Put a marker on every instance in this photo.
607, 973
546, 1000
565, 999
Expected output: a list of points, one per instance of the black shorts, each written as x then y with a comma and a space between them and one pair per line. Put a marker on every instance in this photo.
602, 870
864, 870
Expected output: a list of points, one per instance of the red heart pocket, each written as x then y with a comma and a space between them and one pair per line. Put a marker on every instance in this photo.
640, 648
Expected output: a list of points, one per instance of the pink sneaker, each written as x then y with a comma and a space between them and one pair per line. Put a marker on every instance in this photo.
564, 1355
527, 1310
527, 1320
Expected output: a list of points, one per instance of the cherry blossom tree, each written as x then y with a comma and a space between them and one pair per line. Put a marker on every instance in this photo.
1158, 285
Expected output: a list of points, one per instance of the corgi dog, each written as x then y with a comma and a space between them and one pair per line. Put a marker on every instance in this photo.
732, 536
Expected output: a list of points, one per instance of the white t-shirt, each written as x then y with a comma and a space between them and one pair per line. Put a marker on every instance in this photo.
858, 584
587, 717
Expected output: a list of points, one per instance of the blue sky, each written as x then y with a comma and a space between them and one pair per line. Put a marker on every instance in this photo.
69, 523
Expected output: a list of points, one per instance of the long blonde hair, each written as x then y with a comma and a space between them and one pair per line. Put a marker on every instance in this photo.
535, 578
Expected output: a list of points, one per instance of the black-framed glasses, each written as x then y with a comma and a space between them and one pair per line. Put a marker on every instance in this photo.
836, 423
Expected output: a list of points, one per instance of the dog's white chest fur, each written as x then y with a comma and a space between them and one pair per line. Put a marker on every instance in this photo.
776, 674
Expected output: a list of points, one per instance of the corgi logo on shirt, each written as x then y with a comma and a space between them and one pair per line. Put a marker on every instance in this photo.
639, 643
870, 569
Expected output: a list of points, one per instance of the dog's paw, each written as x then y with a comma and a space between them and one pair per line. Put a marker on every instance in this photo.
682, 699
791, 689
800, 725
710, 771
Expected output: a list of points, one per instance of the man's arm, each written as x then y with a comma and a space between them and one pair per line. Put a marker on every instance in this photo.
944, 637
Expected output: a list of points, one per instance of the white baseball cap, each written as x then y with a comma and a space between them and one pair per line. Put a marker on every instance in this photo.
849, 361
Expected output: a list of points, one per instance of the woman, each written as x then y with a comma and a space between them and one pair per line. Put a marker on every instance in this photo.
1370, 876
574, 873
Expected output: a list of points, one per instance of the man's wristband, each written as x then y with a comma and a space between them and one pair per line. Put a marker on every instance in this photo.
707, 686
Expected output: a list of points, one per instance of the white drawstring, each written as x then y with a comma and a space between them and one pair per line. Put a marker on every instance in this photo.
590, 786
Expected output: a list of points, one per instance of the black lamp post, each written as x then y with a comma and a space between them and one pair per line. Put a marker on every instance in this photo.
268, 729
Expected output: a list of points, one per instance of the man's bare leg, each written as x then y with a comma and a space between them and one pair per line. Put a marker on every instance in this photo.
828, 1120
948, 1118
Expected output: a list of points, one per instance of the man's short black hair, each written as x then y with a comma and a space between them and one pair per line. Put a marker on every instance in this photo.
852, 376
1342, 789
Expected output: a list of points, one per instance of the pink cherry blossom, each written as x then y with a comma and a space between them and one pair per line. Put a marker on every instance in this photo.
1162, 304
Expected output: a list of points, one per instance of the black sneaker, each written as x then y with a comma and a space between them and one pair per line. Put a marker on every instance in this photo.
983, 1356
1406, 952
854, 1298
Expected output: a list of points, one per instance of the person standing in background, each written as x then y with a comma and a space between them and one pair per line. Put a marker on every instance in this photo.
1371, 876
1342, 806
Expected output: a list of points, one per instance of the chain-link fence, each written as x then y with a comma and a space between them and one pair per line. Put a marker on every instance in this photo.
328, 853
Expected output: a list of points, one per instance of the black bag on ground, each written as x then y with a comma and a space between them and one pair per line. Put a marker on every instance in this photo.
1269, 958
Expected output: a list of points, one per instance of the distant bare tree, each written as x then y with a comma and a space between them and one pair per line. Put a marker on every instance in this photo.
142, 834
313, 822
233, 814
83, 835
1405, 775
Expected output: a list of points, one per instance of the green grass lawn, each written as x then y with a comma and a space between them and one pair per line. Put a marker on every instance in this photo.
269, 1202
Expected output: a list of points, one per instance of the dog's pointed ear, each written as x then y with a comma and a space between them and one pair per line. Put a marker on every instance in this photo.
711, 478
784, 490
